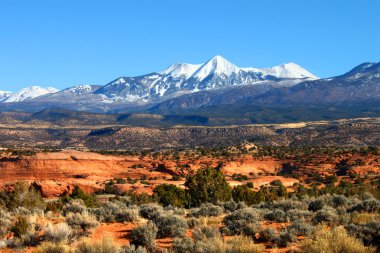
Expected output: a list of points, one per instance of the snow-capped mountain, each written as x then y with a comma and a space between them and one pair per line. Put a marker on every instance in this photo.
79, 90
29, 93
4, 95
182, 78
287, 70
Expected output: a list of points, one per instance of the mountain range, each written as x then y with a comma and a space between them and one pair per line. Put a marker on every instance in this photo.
213, 88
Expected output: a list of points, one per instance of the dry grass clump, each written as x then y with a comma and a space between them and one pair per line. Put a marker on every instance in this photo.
238, 244
105, 245
243, 244
49, 247
334, 241
58, 233
359, 218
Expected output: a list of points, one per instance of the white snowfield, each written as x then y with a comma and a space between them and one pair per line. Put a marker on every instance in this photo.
29, 93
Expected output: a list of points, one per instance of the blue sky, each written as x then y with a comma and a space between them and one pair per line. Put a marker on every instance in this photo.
62, 43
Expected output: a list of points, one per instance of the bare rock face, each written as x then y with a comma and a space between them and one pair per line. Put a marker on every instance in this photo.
50, 188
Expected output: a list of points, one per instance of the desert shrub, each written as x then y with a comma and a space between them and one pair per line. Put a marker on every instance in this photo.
277, 215
21, 227
369, 233
368, 205
242, 193
284, 238
193, 222
57, 233
144, 235
105, 245
204, 233
116, 211
78, 193
176, 210
207, 210
183, 245
74, 206
214, 245
133, 249
170, 225
150, 211
339, 201
251, 229
325, 216
168, 194
295, 214
243, 244
285, 205
6, 221
267, 235
49, 247
237, 220
300, 228
207, 185
139, 199
335, 240
358, 218
230, 206
22, 195
316, 205
83, 221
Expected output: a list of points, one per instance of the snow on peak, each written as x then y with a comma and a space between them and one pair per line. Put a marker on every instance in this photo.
29, 93
181, 69
217, 65
80, 89
287, 70
4, 95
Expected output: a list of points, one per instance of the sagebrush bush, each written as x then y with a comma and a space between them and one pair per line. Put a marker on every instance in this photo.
316, 205
285, 205
300, 228
284, 238
144, 235
193, 222
6, 220
335, 240
339, 201
369, 233
49, 247
230, 206
251, 229
207, 210
150, 211
57, 233
105, 245
295, 214
170, 225
368, 205
133, 249
267, 235
74, 206
84, 221
237, 220
276, 215
325, 216
204, 233
183, 245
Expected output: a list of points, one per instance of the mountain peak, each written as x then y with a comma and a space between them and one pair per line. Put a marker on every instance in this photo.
29, 93
216, 65
180, 69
